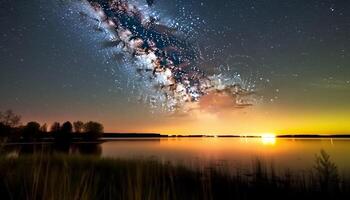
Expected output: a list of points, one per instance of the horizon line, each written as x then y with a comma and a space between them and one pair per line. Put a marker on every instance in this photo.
224, 135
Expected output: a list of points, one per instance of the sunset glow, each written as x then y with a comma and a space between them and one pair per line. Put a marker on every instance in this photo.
175, 99
268, 138
217, 81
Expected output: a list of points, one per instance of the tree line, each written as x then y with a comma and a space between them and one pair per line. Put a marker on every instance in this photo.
11, 129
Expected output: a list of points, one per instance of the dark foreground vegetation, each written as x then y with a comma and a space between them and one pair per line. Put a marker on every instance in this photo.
58, 176
66, 168
11, 130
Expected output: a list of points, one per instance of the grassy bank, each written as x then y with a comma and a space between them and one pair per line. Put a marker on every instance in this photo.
87, 177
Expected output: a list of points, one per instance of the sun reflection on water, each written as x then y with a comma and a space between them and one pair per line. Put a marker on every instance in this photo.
268, 139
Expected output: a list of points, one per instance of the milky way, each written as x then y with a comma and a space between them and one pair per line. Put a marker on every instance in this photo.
167, 64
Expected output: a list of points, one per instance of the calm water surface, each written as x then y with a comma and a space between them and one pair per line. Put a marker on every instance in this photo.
296, 154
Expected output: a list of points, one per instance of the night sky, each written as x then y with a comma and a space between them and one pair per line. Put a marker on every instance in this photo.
294, 56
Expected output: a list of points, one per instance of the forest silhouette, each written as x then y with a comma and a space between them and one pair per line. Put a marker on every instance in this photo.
11, 130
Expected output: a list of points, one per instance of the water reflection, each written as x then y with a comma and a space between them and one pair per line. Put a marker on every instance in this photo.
15, 150
268, 139
284, 153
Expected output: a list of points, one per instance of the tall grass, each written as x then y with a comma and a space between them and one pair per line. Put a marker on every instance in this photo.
59, 176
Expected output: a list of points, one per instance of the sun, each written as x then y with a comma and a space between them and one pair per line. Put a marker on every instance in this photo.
268, 138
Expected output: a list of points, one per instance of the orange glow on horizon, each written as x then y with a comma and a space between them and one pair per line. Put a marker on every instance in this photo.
268, 138
214, 115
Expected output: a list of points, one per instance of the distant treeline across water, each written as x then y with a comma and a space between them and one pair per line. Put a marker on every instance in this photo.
12, 130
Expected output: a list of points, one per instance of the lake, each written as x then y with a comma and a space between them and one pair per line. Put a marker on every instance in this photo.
282, 153
296, 154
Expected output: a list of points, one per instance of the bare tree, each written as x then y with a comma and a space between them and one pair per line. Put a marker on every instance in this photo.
8, 118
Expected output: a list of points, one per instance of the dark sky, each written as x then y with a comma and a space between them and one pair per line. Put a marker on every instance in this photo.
296, 53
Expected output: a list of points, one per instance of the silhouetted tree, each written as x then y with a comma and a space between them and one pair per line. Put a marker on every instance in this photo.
8, 123
55, 130
43, 128
4, 130
8, 118
55, 127
93, 130
67, 127
31, 130
78, 126
65, 133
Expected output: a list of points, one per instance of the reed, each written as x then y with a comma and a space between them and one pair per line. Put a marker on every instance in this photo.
60, 176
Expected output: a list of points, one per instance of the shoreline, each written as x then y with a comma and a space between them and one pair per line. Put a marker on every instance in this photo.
138, 136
